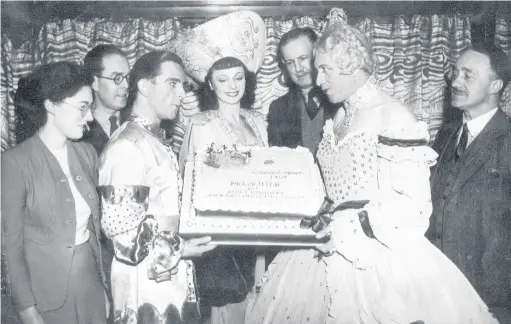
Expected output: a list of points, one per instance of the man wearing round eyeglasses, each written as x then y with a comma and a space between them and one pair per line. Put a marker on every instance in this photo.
110, 68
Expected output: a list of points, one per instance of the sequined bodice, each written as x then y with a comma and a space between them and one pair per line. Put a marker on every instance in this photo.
349, 166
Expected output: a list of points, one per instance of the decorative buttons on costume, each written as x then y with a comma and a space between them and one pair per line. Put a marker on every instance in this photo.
79, 178
90, 195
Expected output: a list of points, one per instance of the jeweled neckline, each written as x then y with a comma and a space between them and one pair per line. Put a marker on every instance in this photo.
355, 102
232, 134
363, 95
152, 127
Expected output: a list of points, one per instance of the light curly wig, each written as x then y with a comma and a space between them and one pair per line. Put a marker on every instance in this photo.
347, 47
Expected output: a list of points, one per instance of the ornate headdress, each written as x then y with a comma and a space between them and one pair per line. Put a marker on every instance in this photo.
240, 34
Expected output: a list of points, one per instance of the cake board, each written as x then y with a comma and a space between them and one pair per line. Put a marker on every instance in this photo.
240, 228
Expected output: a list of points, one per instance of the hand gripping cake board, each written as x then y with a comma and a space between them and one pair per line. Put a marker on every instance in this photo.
251, 196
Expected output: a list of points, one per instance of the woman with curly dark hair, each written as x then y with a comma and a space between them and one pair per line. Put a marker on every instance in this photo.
50, 209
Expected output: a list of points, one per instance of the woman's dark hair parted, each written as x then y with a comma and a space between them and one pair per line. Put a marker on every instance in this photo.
207, 97
54, 82
146, 67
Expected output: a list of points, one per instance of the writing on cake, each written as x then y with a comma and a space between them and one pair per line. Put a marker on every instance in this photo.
269, 180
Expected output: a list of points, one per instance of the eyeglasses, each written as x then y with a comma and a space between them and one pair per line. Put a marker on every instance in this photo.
84, 109
118, 78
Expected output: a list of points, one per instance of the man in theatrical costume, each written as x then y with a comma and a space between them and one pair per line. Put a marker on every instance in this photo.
471, 187
110, 68
298, 117
152, 275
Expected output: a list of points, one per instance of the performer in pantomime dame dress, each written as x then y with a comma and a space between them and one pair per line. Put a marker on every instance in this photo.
377, 266
152, 274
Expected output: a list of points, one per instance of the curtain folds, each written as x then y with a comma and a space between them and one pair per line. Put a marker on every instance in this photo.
414, 55
503, 39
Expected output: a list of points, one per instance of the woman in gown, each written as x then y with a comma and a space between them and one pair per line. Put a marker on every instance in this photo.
152, 272
377, 266
225, 97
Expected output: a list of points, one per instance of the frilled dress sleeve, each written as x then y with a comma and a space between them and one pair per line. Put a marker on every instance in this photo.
124, 202
402, 206
398, 210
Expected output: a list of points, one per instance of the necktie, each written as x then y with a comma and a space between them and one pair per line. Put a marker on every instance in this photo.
113, 124
462, 145
311, 106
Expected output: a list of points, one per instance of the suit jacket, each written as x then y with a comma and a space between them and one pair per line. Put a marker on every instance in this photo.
471, 220
96, 136
39, 219
284, 118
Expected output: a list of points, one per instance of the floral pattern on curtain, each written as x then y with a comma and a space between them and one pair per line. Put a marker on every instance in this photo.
503, 39
414, 54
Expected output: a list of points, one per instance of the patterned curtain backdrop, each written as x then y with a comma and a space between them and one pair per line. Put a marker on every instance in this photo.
414, 54
71, 40
503, 39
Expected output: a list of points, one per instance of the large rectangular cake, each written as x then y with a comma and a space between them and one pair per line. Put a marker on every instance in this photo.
254, 196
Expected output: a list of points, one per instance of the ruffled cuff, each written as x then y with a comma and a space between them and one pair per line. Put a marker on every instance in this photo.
406, 144
135, 234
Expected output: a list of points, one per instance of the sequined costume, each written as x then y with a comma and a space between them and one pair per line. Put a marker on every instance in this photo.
385, 271
140, 187
208, 127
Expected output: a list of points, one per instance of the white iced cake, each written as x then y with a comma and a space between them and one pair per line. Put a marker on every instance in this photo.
257, 180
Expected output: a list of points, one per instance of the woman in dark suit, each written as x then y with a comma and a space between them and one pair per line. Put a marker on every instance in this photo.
50, 209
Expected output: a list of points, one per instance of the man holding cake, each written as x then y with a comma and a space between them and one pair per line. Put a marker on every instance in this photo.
377, 266
152, 276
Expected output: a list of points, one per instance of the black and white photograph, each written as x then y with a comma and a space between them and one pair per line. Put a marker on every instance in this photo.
255, 162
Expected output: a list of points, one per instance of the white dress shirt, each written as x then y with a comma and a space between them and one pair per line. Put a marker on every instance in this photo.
103, 119
476, 125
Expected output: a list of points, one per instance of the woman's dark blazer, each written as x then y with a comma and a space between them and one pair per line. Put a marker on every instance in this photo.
39, 219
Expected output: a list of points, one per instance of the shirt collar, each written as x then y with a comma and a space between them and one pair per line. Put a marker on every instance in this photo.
102, 116
476, 125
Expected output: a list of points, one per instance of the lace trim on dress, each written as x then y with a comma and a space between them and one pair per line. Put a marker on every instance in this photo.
232, 134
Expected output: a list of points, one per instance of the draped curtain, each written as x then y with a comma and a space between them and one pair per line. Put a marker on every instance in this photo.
503, 39
414, 55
